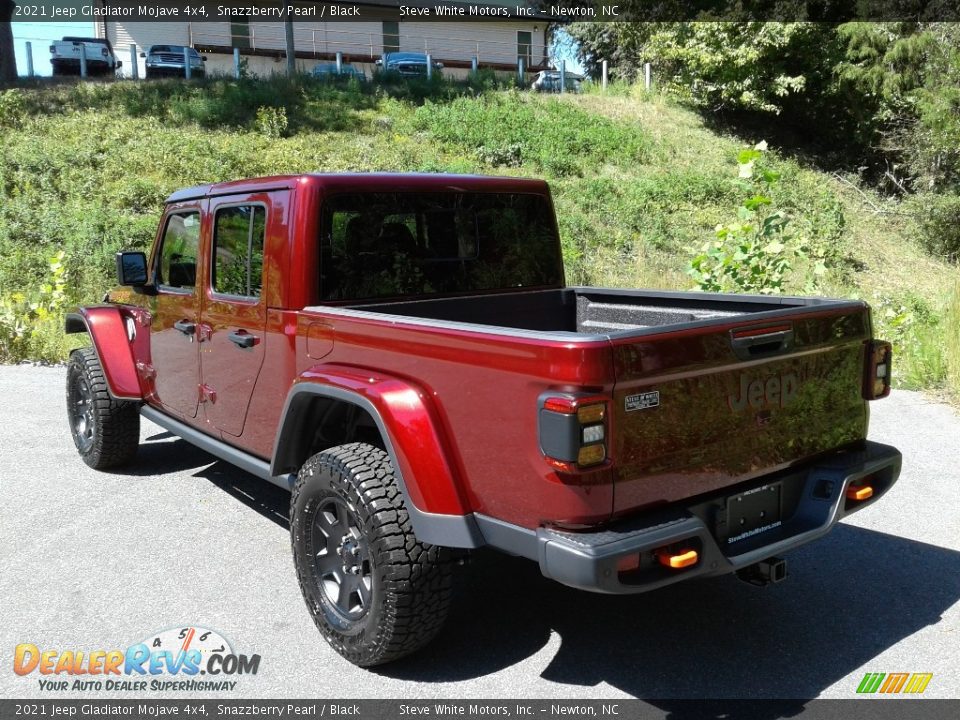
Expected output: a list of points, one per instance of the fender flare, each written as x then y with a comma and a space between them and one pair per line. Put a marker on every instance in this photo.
107, 329
409, 430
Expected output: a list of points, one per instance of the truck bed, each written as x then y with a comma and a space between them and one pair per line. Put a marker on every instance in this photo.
708, 390
590, 311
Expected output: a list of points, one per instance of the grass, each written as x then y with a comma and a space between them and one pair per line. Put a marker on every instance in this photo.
638, 183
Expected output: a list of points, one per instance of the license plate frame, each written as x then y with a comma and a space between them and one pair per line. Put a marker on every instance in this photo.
754, 511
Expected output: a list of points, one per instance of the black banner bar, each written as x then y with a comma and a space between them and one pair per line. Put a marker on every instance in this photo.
559, 11
854, 709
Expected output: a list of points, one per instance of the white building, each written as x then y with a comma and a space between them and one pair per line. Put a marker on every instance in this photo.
262, 44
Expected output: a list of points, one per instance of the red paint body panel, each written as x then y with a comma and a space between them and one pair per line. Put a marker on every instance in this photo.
414, 427
460, 401
107, 328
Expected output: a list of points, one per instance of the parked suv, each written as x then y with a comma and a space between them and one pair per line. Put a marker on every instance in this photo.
65, 56
168, 61
407, 63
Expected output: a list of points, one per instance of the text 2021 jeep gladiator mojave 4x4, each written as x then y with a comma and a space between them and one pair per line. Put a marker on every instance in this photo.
401, 352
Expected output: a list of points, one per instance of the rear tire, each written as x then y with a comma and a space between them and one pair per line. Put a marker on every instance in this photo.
105, 431
374, 591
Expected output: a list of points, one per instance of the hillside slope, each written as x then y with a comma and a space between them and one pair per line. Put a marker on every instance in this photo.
639, 183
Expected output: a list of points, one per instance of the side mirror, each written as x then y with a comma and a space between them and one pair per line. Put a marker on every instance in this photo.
132, 269
119, 63
203, 57
143, 54
379, 61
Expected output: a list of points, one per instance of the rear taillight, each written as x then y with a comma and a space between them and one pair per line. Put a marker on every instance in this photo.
573, 430
53, 48
876, 375
103, 51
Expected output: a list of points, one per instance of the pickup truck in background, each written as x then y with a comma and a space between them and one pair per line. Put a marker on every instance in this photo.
402, 353
101, 60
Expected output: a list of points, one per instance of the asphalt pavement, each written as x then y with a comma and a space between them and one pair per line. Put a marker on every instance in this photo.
99, 561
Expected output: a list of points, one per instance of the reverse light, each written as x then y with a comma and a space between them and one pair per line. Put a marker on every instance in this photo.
592, 434
876, 374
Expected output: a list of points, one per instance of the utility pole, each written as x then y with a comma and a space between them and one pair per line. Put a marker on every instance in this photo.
291, 53
8, 60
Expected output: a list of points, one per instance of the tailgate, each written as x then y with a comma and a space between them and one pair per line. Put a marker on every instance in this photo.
702, 408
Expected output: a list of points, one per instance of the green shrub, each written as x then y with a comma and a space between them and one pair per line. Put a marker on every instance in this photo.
12, 108
271, 122
937, 226
754, 254
26, 318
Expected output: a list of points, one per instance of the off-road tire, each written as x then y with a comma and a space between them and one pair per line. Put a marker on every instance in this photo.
105, 431
410, 582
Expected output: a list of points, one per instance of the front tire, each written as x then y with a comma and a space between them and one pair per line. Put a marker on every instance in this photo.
374, 591
105, 431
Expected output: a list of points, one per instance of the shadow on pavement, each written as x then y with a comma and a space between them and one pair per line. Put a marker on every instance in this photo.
849, 597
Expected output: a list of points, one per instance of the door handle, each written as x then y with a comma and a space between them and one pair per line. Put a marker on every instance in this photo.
186, 327
243, 339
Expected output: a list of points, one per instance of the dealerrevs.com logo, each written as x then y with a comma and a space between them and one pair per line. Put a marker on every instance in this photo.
171, 660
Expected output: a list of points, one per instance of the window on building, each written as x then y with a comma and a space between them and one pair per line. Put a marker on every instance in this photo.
178, 251
391, 36
238, 234
240, 34
525, 47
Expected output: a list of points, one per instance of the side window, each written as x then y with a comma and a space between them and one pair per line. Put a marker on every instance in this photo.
238, 235
178, 251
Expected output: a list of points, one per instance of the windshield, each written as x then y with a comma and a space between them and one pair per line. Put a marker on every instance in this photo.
377, 245
172, 49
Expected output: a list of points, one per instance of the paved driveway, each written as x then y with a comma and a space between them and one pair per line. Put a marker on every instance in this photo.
102, 560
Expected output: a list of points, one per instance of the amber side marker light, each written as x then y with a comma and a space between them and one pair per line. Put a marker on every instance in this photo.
682, 559
859, 492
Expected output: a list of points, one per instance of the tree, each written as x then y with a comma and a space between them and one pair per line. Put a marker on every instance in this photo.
8, 61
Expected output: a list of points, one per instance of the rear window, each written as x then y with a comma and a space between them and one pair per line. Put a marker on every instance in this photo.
379, 245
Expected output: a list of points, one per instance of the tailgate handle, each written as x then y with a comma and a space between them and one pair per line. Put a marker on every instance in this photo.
752, 343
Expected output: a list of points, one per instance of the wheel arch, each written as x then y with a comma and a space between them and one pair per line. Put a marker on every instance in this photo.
107, 330
409, 435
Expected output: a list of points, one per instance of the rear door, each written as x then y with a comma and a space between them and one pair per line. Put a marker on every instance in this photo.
234, 313
173, 329
700, 409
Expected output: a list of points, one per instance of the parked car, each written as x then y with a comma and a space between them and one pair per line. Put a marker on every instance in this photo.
327, 70
549, 81
168, 61
65, 56
402, 352
407, 63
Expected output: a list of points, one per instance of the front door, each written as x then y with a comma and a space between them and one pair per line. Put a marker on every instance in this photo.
173, 330
234, 313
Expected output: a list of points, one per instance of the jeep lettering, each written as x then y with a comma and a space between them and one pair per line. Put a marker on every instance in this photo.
759, 393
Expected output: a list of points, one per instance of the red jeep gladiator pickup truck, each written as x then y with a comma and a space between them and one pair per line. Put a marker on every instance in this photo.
402, 353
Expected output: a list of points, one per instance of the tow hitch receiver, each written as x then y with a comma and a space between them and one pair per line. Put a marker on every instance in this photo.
765, 572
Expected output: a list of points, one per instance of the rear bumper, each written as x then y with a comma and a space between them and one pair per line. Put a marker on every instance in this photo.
620, 558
